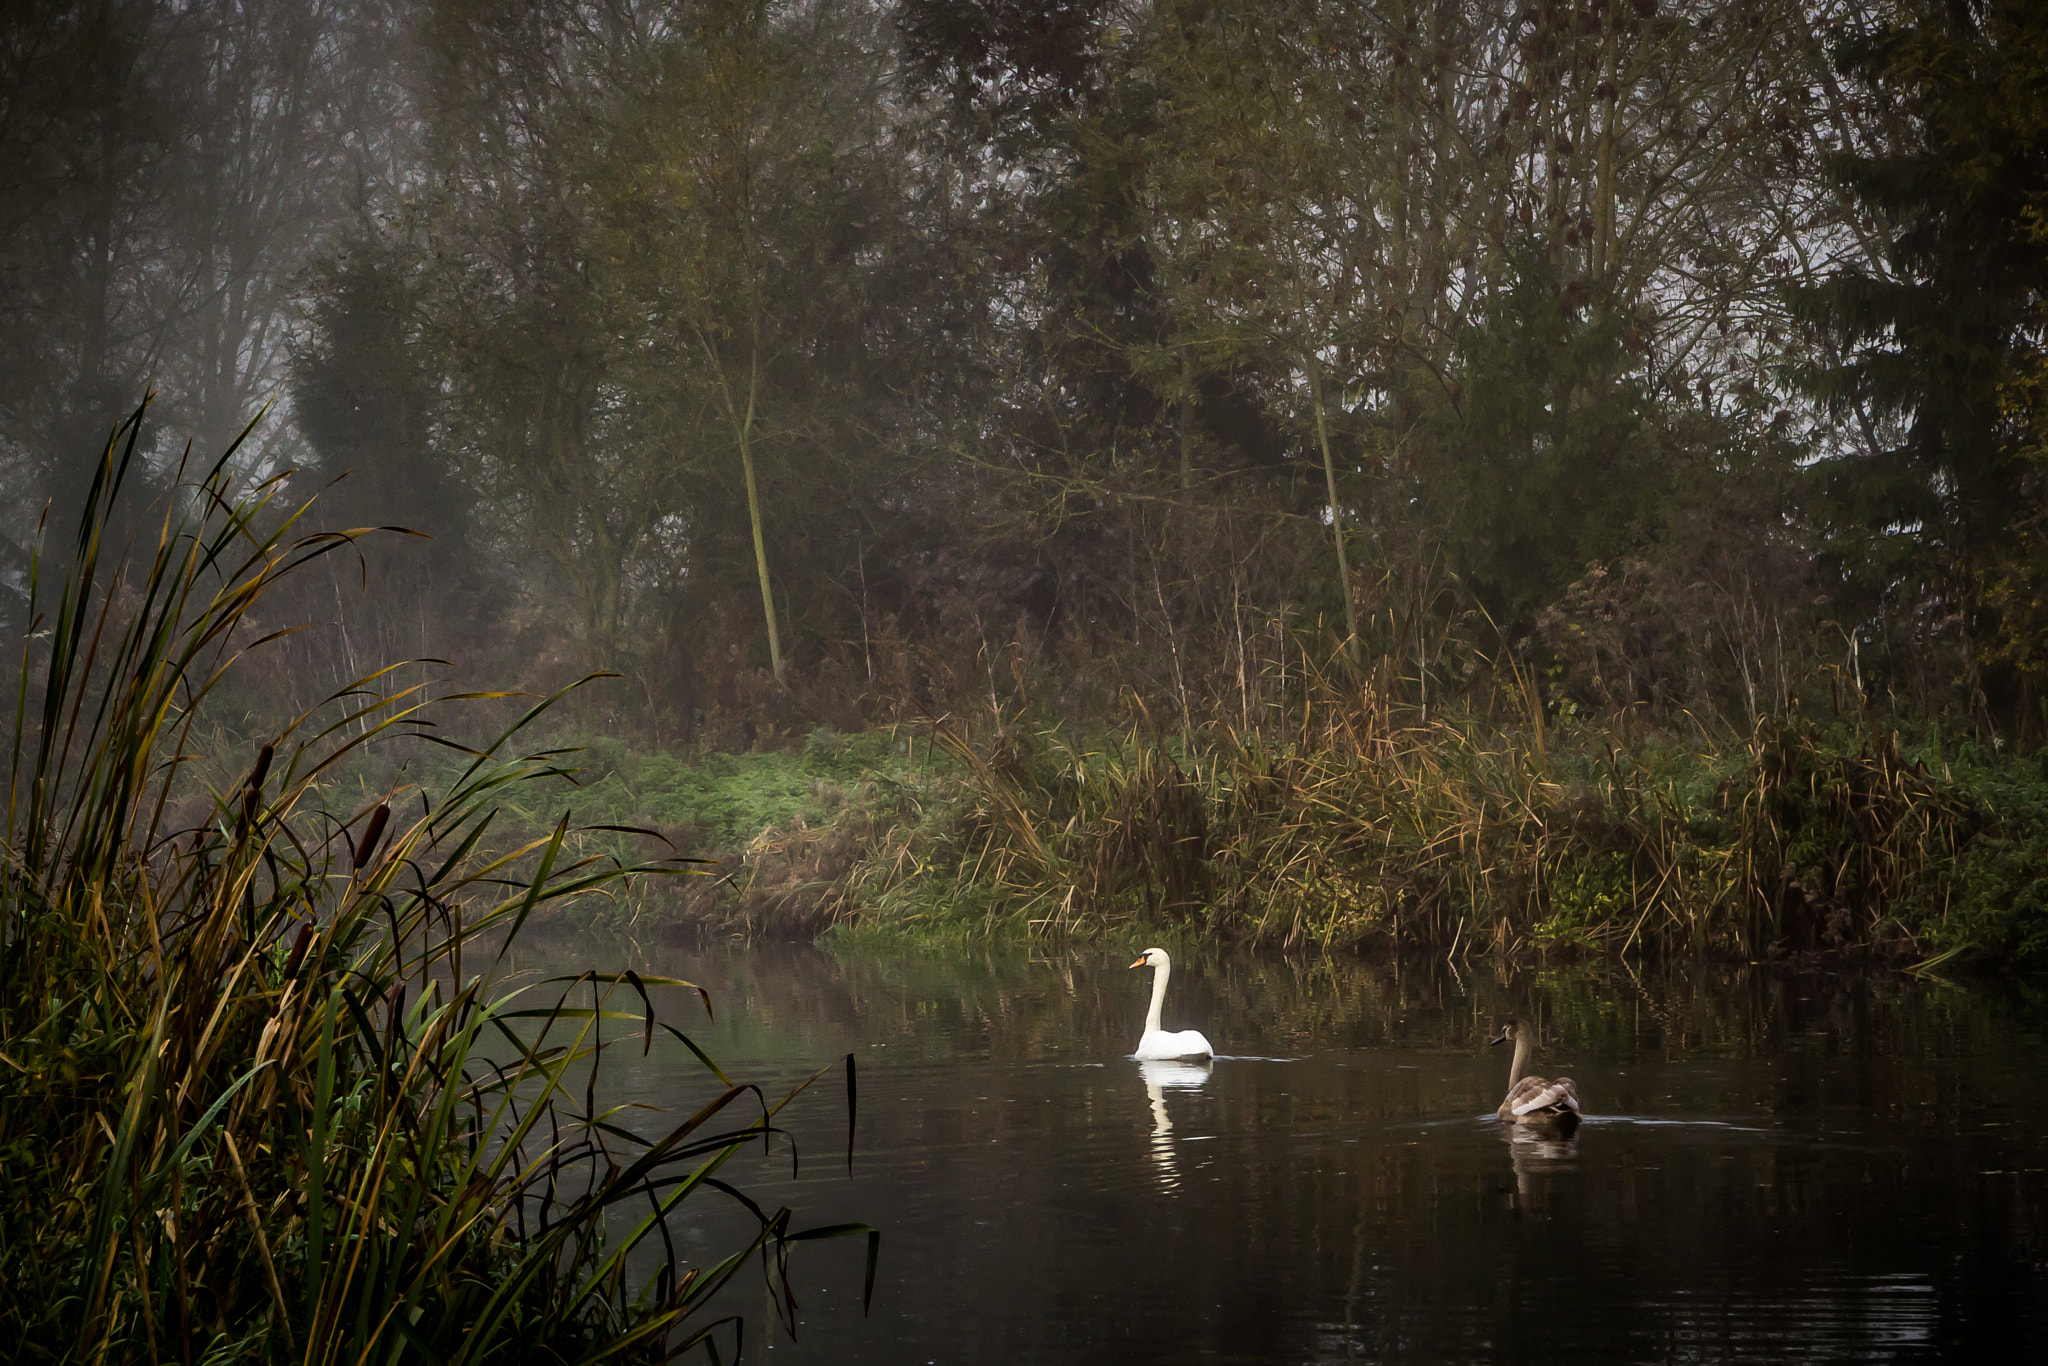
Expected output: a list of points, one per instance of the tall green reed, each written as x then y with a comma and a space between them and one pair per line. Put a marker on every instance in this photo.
262, 1095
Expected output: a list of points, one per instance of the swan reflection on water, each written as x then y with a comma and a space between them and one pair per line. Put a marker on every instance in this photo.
1536, 1154
1161, 1077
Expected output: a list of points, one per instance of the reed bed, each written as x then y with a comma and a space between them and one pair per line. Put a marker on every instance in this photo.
261, 1095
1361, 823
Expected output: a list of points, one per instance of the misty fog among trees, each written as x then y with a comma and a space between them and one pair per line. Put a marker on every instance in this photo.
804, 362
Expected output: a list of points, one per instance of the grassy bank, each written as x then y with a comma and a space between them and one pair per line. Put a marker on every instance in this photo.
775, 841
262, 1097
1365, 829
1522, 839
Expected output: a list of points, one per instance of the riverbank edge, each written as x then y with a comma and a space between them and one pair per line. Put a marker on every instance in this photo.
1803, 841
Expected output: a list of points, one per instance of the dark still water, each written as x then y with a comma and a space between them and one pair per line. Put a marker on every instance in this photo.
1784, 1166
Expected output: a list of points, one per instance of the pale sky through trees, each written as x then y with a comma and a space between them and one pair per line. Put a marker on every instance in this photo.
719, 339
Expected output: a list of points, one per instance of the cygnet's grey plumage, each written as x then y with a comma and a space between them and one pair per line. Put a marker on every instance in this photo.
1534, 1101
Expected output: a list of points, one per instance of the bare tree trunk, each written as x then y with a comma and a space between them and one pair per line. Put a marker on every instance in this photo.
1187, 424
1315, 389
743, 434
746, 438
761, 565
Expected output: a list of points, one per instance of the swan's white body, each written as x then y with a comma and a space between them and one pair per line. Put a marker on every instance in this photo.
1156, 1045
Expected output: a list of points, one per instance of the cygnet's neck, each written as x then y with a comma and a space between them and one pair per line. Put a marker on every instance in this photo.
1160, 970
1524, 1046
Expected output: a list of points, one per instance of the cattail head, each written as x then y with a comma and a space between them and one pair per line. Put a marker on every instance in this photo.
252, 795
298, 954
372, 832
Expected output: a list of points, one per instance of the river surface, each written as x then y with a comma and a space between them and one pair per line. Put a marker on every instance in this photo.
1775, 1165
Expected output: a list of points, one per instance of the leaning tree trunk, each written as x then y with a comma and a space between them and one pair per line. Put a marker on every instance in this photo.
1315, 389
744, 429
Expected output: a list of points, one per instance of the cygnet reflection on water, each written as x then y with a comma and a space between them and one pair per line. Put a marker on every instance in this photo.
1161, 1077
1535, 1155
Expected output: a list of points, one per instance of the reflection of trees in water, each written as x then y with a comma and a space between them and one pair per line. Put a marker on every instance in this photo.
1378, 1189
1018, 1002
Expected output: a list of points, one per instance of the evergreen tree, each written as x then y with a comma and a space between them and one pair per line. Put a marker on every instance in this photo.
1933, 347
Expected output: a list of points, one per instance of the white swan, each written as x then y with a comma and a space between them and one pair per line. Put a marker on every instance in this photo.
1157, 1045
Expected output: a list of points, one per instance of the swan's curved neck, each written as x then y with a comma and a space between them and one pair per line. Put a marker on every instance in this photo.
1524, 1046
1159, 975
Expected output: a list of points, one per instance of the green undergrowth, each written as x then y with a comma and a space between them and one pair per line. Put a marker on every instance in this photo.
1367, 829
769, 834
1802, 837
708, 804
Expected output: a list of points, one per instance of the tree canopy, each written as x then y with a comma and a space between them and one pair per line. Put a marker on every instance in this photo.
807, 359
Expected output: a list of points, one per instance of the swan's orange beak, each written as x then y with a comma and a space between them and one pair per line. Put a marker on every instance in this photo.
1139, 964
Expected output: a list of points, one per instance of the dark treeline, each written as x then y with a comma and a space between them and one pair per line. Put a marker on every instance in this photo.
806, 361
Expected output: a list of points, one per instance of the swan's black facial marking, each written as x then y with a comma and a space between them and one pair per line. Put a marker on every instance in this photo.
1502, 1037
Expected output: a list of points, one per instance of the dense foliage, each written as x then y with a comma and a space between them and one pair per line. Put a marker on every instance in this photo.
264, 1093
1672, 363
